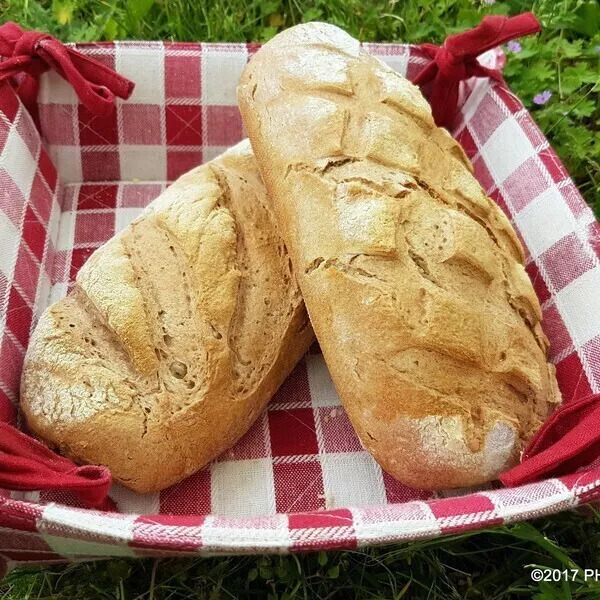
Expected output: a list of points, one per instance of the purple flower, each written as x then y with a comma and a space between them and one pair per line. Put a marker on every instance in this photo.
514, 46
542, 98
490, 2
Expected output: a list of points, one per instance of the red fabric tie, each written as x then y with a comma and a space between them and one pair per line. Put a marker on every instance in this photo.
28, 54
457, 60
28, 465
569, 439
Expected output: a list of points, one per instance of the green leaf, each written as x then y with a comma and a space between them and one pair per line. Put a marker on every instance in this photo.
312, 14
139, 8
333, 572
252, 574
268, 7
322, 558
266, 572
588, 18
268, 33
111, 30
118, 570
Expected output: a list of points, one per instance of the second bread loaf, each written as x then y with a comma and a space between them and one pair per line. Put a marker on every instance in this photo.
412, 276
176, 334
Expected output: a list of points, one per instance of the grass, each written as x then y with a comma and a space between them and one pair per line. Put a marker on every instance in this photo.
488, 564
564, 59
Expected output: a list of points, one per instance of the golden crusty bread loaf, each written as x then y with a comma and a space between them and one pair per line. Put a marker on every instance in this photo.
176, 334
412, 276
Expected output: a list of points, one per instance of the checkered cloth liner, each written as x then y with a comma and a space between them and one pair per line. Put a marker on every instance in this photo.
302, 454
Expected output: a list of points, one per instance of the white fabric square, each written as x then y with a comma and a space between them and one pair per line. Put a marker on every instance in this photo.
398, 62
506, 150
322, 390
56, 90
58, 521
578, 305
57, 292
18, 162
273, 535
67, 160
144, 66
9, 246
43, 293
410, 520
148, 163
243, 488
124, 216
530, 501
54, 224
210, 152
129, 502
352, 479
544, 221
221, 71
66, 230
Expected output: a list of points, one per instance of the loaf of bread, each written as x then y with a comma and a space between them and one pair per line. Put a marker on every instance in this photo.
176, 334
413, 278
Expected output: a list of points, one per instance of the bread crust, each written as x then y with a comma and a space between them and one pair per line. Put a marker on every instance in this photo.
412, 276
176, 334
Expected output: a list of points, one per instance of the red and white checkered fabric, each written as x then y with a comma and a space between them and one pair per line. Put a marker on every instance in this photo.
299, 479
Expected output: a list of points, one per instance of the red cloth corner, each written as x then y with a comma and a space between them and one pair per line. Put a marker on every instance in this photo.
456, 60
28, 54
569, 439
29, 465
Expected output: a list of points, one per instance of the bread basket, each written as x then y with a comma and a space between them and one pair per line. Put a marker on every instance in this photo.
299, 479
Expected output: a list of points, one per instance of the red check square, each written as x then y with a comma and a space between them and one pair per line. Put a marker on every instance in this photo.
47, 170
572, 379
184, 125
95, 130
94, 228
338, 433
465, 139
100, 165
539, 285
397, 492
293, 432
27, 272
42, 197
28, 133
57, 123
558, 334
34, 233
566, 261
97, 196
8, 411
135, 195
489, 118
182, 76
294, 389
182, 161
11, 363
552, 164
78, 258
9, 104
141, 124
11, 198
188, 497
223, 125
524, 184
483, 175
18, 317
251, 445
298, 487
